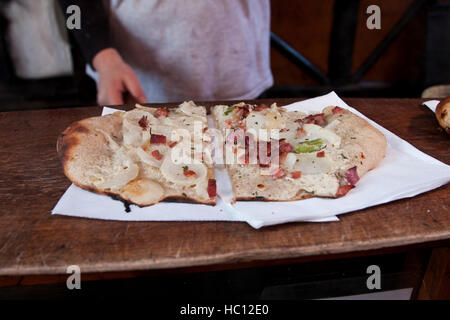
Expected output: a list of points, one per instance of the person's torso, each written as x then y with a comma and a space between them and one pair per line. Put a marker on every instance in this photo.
195, 49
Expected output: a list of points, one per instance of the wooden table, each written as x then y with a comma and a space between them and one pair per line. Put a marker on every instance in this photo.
34, 242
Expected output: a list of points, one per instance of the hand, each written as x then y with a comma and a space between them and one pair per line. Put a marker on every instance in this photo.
115, 79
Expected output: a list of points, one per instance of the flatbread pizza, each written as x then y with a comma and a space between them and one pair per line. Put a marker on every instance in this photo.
281, 155
148, 155
142, 156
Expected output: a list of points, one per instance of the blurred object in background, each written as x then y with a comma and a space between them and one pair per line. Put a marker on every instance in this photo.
317, 46
437, 67
40, 67
441, 91
352, 59
37, 38
6, 72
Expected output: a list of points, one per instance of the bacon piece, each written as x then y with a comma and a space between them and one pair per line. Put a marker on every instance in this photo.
343, 190
157, 155
161, 113
300, 133
285, 147
143, 122
320, 154
247, 140
189, 173
172, 144
278, 173
269, 149
296, 175
260, 107
352, 175
157, 138
315, 119
337, 110
245, 111
212, 192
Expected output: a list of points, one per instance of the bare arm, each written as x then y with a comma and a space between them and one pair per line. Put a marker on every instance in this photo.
116, 77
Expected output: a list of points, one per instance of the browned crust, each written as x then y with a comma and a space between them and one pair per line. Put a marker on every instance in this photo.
68, 140
372, 142
302, 196
116, 196
183, 199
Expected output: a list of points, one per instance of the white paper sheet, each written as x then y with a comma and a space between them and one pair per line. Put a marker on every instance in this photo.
404, 172
431, 104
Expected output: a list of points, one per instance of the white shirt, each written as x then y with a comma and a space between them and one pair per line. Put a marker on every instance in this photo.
195, 49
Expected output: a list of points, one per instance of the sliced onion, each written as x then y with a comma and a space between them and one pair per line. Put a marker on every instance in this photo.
163, 130
333, 124
119, 179
136, 114
314, 131
143, 192
274, 120
309, 163
190, 108
111, 142
147, 158
261, 124
133, 135
173, 171
255, 120
290, 161
290, 131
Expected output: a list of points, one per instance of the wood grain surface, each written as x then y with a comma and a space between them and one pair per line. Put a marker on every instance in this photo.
32, 241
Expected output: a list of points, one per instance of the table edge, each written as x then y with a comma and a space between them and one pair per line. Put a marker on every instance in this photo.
259, 255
